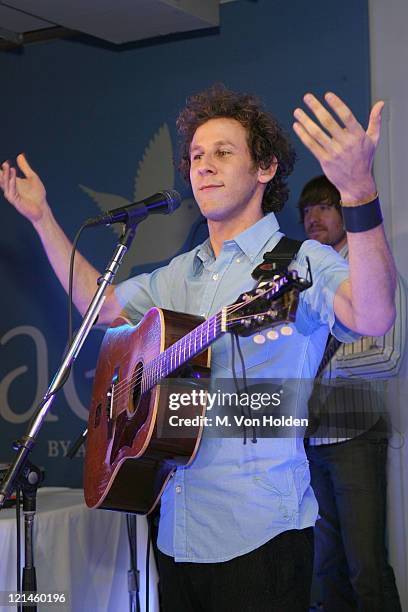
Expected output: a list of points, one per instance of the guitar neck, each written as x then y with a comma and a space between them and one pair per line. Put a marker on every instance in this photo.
183, 350
254, 309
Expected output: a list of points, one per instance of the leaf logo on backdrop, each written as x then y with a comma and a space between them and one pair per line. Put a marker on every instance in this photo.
160, 237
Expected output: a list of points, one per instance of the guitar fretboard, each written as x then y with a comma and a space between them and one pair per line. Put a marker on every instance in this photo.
181, 351
202, 336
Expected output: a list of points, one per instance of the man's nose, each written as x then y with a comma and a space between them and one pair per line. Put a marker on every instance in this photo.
313, 214
207, 165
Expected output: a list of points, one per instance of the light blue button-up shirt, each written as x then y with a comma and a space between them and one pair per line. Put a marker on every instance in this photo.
234, 497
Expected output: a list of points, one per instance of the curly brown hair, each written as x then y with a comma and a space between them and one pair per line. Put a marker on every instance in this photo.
266, 139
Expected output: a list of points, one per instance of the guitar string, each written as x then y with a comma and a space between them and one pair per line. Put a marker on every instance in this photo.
153, 369
131, 381
123, 387
149, 372
213, 319
153, 365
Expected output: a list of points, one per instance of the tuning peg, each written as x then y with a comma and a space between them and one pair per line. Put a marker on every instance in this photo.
272, 334
286, 330
259, 339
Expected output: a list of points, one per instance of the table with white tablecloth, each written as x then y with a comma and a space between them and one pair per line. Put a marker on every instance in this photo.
80, 551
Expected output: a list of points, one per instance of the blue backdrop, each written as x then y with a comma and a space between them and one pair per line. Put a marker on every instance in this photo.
98, 126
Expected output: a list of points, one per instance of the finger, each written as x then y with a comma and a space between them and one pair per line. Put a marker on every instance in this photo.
343, 112
314, 147
3, 168
313, 129
326, 119
5, 176
9, 189
374, 122
25, 166
12, 186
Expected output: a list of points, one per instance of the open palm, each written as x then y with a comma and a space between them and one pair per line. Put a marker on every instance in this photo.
26, 194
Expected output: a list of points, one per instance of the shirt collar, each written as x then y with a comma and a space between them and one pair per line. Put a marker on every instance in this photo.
344, 251
204, 251
251, 241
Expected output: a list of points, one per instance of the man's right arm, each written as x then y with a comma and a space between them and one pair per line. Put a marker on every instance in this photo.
29, 197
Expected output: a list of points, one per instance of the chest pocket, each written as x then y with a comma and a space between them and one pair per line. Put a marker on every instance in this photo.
255, 355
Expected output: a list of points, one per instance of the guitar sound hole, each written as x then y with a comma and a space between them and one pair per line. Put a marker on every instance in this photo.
137, 388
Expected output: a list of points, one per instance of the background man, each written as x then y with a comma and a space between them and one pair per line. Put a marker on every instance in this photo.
348, 470
235, 526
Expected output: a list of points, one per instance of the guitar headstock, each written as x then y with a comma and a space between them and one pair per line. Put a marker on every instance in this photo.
270, 304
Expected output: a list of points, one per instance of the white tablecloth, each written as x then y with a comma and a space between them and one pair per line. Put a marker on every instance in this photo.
81, 551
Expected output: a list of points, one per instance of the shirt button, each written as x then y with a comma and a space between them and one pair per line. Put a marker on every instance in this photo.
178, 489
238, 260
215, 276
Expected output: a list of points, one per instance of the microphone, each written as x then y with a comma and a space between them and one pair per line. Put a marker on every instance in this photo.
163, 202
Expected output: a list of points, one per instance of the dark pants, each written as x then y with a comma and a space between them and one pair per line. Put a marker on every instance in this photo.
273, 578
349, 481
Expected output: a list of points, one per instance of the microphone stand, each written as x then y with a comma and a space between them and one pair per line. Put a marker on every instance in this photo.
29, 482
25, 445
134, 572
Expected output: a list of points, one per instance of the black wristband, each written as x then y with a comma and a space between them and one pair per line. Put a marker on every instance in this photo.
363, 217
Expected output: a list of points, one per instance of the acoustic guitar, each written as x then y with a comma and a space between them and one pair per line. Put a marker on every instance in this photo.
128, 460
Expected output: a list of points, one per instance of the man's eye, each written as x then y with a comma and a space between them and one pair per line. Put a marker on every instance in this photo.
223, 153
197, 156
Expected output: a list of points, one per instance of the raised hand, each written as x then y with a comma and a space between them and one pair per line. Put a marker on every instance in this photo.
26, 194
345, 153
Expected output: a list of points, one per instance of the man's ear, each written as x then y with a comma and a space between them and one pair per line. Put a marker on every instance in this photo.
266, 174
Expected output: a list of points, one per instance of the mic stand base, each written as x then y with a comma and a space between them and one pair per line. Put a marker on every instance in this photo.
28, 483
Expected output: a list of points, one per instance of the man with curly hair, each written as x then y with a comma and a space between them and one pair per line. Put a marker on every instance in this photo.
236, 526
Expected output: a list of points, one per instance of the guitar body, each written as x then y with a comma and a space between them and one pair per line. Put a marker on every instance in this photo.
128, 463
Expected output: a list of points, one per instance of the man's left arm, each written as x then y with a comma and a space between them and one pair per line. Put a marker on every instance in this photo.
365, 303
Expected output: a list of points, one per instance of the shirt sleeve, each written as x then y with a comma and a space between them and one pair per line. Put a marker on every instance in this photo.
140, 293
316, 304
164, 288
